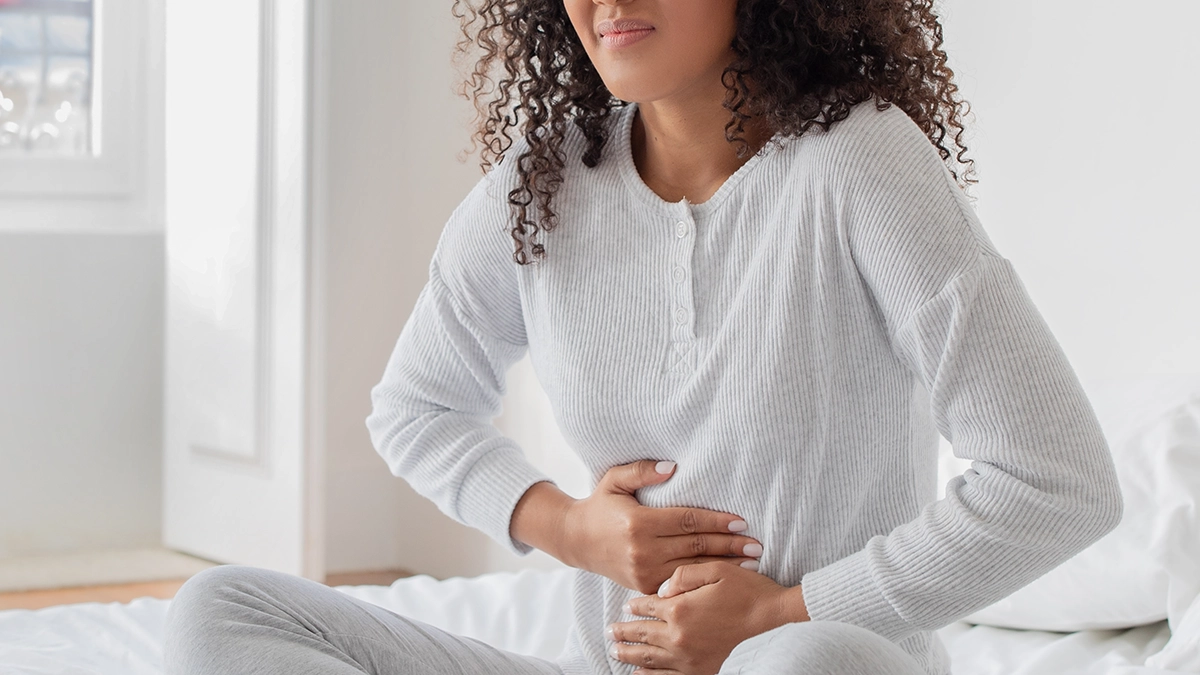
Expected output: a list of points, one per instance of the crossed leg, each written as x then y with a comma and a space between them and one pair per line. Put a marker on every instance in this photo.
242, 620
819, 648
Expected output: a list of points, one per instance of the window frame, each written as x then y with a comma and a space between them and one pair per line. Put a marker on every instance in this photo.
116, 188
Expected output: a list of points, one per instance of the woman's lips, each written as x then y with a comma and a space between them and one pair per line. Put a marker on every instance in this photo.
616, 39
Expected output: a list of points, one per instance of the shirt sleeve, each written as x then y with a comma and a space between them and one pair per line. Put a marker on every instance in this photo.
1042, 485
432, 413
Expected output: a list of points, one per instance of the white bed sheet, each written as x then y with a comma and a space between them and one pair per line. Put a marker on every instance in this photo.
528, 612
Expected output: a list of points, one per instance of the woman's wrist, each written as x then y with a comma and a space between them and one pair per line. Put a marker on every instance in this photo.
785, 606
792, 607
540, 520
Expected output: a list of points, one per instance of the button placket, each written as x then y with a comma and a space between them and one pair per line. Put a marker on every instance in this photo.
679, 271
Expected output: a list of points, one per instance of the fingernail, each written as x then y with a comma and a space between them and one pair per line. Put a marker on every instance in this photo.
662, 590
751, 565
664, 467
609, 632
612, 650
752, 550
738, 526
626, 608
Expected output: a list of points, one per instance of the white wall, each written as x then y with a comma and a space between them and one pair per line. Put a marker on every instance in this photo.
81, 346
81, 321
1087, 154
392, 131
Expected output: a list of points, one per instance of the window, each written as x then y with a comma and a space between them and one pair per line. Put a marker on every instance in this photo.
80, 113
46, 75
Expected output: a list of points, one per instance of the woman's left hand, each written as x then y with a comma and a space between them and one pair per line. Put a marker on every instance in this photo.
699, 615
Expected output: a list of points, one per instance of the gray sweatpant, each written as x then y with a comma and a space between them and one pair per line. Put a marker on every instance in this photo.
241, 620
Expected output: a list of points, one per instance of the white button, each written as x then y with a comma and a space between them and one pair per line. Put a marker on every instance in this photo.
681, 316
681, 229
679, 274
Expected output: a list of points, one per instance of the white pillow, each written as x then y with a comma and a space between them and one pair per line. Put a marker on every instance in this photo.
1148, 567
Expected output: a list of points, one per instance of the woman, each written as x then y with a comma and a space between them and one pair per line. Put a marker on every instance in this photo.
754, 291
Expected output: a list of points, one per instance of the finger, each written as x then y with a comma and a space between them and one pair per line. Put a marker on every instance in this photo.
690, 577
644, 605
684, 520
645, 656
708, 544
655, 671
647, 632
745, 563
626, 478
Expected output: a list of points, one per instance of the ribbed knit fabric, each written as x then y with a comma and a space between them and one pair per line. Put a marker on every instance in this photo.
795, 344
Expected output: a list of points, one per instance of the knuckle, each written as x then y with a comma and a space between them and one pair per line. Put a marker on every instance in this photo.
677, 610
642, 469
628, 524
636, 555
687, 522
633, 555
699, 546
647, 659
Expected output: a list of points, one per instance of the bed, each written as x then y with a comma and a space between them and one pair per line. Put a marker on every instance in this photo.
126, 639
1127, 605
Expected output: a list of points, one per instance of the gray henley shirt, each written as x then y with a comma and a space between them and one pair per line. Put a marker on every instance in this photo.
795, 343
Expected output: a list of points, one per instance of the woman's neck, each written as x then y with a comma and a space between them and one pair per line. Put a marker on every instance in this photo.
680, 150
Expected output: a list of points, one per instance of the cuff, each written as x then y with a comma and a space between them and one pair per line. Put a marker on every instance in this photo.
490, 492
847, 591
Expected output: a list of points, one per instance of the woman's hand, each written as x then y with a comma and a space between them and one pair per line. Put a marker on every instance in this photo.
700, 614
639, 547
611, 534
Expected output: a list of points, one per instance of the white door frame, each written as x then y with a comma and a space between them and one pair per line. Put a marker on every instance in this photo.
243, 471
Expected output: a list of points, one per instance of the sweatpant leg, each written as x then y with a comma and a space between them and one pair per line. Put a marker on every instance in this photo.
819, 648
242, 620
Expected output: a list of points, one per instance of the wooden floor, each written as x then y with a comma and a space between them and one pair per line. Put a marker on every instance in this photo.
159, 589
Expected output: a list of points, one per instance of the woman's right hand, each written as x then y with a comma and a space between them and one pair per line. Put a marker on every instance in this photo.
639, 547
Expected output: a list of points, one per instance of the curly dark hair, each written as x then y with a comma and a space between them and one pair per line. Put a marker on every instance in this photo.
797, 63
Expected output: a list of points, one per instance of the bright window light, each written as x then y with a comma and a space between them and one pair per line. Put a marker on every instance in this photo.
47, 76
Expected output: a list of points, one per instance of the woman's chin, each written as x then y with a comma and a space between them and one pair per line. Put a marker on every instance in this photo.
630, 90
